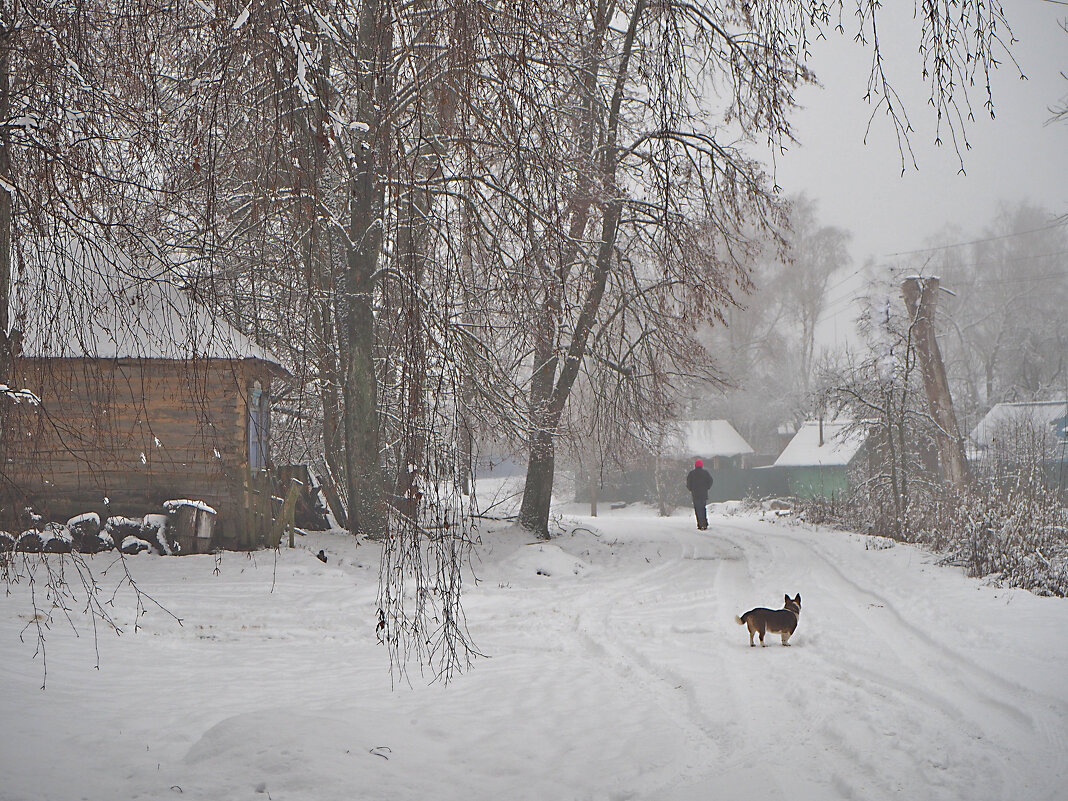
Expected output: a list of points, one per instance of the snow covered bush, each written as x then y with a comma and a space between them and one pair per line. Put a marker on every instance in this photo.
84, 534
122, 527
1016, 536
30, 541
7, 543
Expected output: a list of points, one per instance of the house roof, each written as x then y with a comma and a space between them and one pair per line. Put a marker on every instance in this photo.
705, 439
1045, 414
88, 299
841, 442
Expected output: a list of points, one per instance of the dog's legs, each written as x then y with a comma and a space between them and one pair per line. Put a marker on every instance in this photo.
786, 639
763, 630
752, 631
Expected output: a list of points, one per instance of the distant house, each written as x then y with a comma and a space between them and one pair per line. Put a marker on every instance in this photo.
1016, 434
145, 395
659, 476
716, 442
726, 455
818, 460
1006, 424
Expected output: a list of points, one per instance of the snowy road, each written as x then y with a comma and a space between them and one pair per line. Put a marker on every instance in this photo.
616, 671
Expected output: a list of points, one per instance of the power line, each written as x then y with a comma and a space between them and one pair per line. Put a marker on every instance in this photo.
998, 263
833, 307
1024, 279
1055, 224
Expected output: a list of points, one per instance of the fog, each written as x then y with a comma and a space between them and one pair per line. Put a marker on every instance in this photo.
897, 206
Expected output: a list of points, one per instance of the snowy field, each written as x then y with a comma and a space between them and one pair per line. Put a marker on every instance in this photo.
615, 670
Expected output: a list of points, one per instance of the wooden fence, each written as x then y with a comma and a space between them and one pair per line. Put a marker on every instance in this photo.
269, 517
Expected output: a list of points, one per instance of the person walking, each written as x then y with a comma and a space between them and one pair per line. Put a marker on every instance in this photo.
699, 482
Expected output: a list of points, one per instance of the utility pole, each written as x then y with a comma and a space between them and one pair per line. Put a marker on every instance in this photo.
920, 299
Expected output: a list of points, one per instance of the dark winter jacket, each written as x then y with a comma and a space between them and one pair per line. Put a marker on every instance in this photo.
699, 482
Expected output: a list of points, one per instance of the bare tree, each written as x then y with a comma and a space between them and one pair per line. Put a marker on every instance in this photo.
814, 253
881, 393
644, 166
639, 145
1004, 335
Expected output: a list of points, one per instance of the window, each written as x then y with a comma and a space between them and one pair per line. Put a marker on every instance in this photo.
259, 421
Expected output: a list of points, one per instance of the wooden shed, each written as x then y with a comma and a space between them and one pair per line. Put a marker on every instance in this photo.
144, 395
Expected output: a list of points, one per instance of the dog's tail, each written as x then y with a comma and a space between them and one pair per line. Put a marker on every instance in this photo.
741, 620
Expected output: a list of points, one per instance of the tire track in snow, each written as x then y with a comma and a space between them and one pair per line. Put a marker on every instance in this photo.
628, 617
961, 663
968, 698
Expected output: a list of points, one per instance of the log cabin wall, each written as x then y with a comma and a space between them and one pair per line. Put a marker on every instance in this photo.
137, 432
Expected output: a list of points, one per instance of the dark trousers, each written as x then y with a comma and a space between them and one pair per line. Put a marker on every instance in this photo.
699, 505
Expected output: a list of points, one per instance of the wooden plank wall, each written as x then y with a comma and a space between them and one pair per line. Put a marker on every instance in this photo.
135, 431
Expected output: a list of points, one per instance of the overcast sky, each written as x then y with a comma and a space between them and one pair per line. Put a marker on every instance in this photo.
859, 186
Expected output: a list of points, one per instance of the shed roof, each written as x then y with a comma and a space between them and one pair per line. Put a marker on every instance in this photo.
841, 442
705, 439
84, 298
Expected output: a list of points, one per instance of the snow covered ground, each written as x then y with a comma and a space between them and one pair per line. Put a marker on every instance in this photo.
615, 670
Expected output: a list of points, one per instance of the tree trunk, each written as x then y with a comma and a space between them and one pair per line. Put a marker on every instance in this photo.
9, 341
548, 399
538, 490
367, 513
437, 105
467, 380
920, 299
661, 494
360, 389
6, 354
319, 275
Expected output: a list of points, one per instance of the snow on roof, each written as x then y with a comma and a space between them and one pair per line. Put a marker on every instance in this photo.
705, 439
88, 299
1045, 414
840, 445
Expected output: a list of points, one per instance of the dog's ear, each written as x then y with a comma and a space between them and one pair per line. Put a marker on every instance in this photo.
788, 599
797, 600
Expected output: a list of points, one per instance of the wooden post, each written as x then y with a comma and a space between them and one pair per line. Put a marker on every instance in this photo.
661, 499
258, 512
289, 508
249, 527
594, 493
920, 300
285, 517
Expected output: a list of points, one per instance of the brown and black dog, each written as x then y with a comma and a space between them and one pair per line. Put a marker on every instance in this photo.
777, 621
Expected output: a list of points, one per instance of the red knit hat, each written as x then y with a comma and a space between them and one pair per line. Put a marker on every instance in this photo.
698, 463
